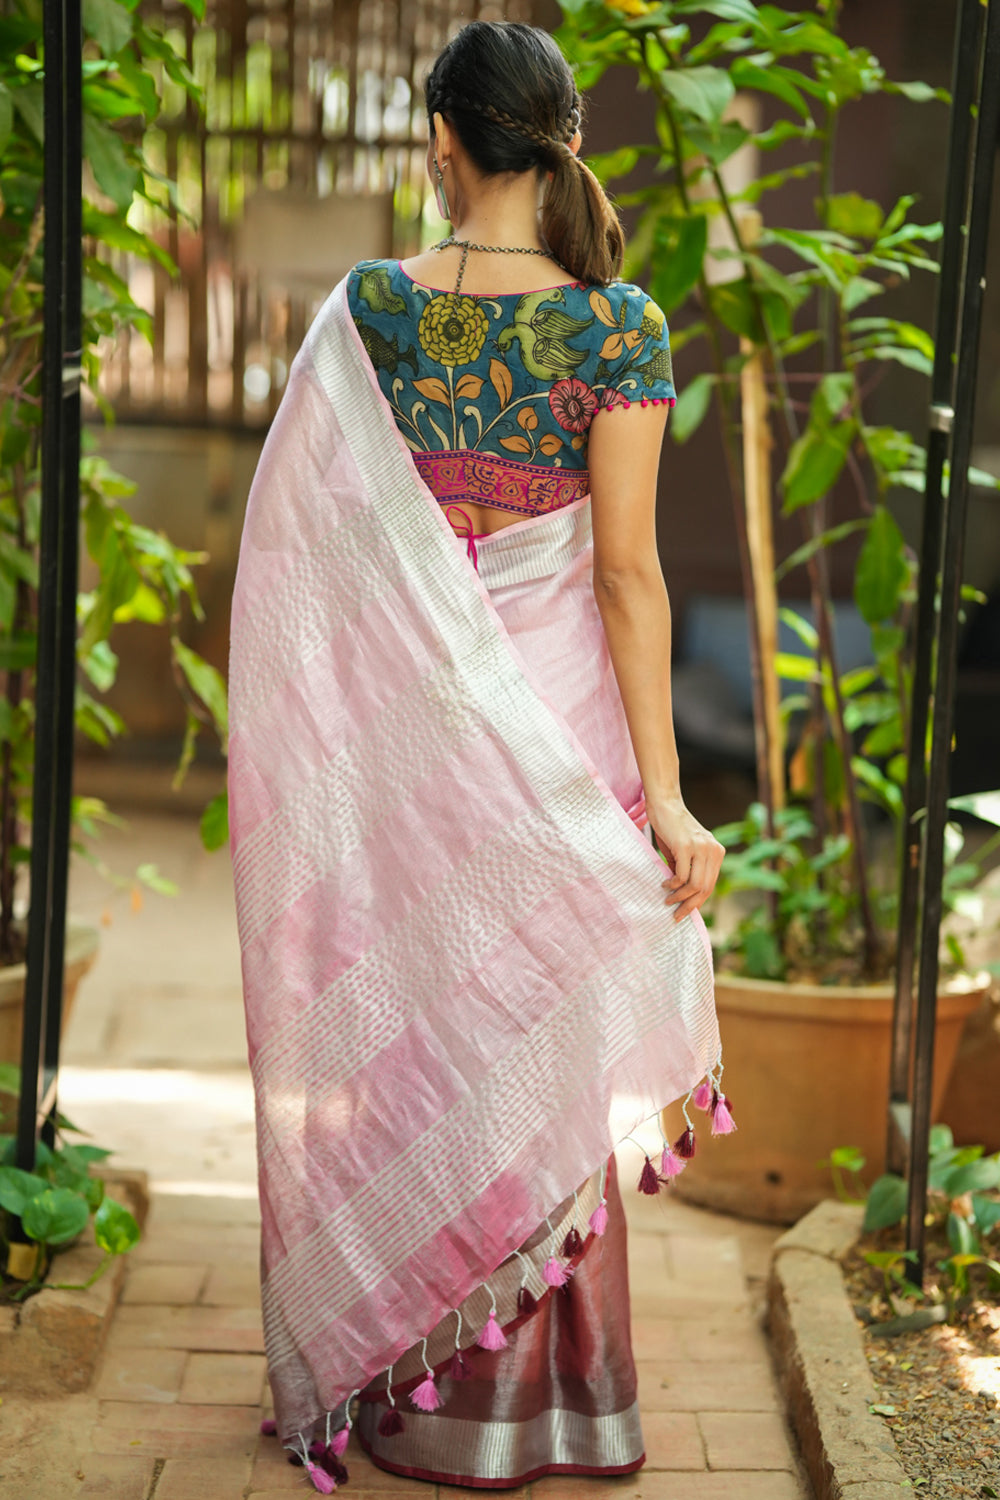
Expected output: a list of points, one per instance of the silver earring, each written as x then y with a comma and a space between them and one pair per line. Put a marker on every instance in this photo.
440, 197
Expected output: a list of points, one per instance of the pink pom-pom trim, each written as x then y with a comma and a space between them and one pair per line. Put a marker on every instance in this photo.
427, 1397
599, 1218
492, 1336
671, 1165
722, 1118
703, 1096
555, 1272
339, 1442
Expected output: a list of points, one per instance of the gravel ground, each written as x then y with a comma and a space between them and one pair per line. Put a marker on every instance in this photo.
940, 1390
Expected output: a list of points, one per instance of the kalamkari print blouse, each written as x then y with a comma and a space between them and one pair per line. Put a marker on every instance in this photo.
494, 395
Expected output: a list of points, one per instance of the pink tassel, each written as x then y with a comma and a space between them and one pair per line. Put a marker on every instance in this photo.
322, 1481
555, 1273
427, 1397
572, 1244
703, 1096
722, 1118
492, 1336
460, 1367
672, 1165
685, 1144
340, 1440
391, 1423
269, 1427
649, 1182
526, 1303
599, 1218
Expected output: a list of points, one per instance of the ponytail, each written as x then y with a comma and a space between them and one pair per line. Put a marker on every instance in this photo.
523, 109
579, 224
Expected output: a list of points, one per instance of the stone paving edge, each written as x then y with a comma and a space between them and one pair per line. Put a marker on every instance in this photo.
849, 1453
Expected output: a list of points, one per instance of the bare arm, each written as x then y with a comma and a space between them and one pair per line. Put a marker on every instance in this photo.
623, 457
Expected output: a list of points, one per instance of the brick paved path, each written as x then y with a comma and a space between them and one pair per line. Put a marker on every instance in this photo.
156, 1068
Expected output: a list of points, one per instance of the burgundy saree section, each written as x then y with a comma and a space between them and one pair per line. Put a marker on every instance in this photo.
560, 1399
455, 951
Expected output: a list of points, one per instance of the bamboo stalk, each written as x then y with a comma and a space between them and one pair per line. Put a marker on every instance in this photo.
757, 445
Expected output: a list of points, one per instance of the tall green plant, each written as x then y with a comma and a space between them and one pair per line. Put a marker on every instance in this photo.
693, 57
140, 574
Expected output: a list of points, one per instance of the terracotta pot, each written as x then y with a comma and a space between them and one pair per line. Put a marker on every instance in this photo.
81, 950
970, 1102
807, 1069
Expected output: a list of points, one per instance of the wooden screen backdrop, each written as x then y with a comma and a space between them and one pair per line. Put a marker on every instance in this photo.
316, 102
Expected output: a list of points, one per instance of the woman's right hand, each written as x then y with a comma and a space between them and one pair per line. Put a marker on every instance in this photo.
691, 852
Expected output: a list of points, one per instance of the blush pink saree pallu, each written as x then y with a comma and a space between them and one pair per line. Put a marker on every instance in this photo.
455, 949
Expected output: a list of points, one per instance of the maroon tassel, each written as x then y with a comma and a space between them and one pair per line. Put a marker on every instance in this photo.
269, 1427
685, 1144
391, 1423
526, 1303
460, 1367
317, 1450
335, 1468
649, 1182
572, 1244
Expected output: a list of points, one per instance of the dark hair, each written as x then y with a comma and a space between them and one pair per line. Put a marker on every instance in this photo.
508, 92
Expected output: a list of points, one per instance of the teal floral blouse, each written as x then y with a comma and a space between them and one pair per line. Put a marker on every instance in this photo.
495, 395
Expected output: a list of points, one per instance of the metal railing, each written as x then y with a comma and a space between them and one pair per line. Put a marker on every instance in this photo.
975, 124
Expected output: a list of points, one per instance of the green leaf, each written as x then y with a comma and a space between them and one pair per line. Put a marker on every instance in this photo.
795, 668
207, 683
726, 10
747, 74
115, 1229
761, 955
215, 823
109, 23
692, 404
982, 805
607, 165
56, 1216
940, 1139
29, 103
705, 92
961, 1236
881, 573
18, 1189
919, 93
986, 1212
678, 253
825, 539
6, 115
814, 463
886, 1203
149, 876
105, 151
849, 213
978, 1176
18, 652
10, 1078
803, 628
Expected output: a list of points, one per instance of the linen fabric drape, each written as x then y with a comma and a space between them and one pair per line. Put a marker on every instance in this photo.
455, 950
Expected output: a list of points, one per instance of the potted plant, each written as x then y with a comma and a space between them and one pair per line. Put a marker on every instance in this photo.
804, 988
135, 574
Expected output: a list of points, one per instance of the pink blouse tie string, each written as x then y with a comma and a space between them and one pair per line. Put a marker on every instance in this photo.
466, 533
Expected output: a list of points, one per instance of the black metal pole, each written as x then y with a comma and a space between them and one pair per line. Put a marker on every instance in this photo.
965, 73
55, 668
68, 546
987, 126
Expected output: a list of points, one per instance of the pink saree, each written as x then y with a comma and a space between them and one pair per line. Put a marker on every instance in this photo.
455, 951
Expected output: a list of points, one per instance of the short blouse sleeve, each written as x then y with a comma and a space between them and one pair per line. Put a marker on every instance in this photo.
636, 360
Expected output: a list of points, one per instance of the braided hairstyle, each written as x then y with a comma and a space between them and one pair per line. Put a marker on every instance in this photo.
510, 96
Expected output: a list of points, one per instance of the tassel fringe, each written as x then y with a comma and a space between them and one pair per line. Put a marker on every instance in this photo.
599, 1218
391, 1423
427, 1397
492, 1336
722, 1117
649, 1183
572, 1244
460, 1367
555, 1273
526, 1303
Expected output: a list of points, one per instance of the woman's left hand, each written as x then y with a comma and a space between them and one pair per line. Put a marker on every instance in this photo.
692, 853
